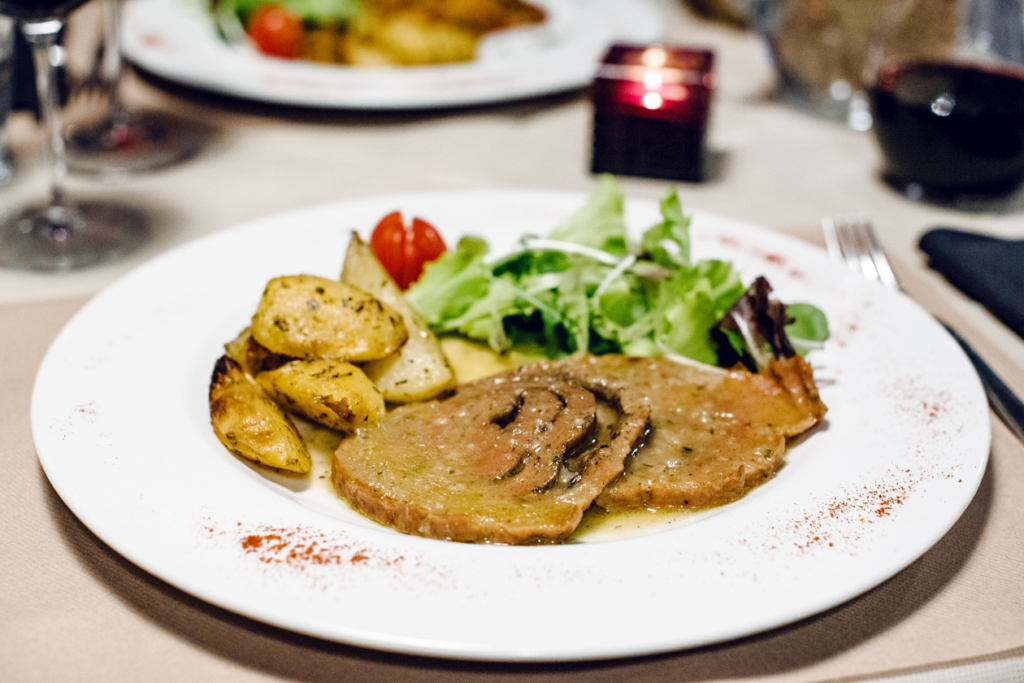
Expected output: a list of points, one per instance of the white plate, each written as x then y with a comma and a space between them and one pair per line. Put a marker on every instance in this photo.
121, 425
175, 39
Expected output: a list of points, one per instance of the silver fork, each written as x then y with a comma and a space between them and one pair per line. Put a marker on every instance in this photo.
851, 240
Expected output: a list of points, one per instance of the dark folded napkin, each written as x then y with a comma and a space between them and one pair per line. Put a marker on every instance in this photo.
988, 269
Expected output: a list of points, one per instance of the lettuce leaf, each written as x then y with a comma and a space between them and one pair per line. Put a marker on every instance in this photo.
599, 223
668, 242
691, 302
587, 288
809, 326
452, 284
316, 11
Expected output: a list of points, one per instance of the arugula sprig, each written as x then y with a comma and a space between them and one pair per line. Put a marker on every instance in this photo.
586, 287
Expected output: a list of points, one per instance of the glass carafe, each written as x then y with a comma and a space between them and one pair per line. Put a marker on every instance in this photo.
946, 80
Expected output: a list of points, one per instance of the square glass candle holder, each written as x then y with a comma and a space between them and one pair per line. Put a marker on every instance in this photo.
651, 107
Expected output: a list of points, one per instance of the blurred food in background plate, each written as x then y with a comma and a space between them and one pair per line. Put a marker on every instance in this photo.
370, 32
733, 12
179, 41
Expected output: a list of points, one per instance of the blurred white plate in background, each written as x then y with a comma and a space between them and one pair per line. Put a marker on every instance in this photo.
177, 40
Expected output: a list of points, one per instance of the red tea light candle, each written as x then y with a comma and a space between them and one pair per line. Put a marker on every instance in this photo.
651, 107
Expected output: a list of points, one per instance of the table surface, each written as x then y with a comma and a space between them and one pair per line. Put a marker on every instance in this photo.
71, 608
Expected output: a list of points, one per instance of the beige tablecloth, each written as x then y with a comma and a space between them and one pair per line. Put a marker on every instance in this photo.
72, 609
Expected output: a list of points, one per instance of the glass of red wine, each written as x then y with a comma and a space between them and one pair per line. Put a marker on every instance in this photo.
60, 234
125, 140
948, 99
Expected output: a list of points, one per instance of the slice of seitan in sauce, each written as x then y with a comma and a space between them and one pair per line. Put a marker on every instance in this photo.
713, 435
512, 458
519, 456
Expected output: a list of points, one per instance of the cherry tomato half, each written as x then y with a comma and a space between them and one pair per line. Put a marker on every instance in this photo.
403, 249
275, 30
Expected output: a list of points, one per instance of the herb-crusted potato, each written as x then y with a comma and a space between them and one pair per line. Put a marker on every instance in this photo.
253, 358
250, 424
312, 317
419, 370
335, 394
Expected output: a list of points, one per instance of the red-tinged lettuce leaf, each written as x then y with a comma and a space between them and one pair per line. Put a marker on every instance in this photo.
754, 328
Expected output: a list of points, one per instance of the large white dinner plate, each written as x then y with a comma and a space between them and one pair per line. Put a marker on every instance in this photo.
175, 39
121, 424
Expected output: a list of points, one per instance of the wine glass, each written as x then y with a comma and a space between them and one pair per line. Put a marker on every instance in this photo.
947, 90
60, 234
6, 93
126, 141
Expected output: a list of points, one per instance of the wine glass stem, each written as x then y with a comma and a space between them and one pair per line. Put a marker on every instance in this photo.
113, 64
42, 35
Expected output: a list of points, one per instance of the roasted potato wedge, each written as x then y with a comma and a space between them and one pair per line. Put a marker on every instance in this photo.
333, 393
408, 38
253, 358
312, 317
419, 370
250, 424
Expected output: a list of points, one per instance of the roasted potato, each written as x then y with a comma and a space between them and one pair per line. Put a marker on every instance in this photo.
333, 393
312, 317
419, 370
253, 358
407, 39
250, 424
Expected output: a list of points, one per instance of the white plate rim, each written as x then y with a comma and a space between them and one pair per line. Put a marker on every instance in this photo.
933, 501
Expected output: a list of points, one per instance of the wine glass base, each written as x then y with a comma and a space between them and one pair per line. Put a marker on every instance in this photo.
131, 142
44, 238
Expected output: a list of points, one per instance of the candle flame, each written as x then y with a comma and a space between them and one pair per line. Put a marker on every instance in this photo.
653, 79
654, 57
652, 100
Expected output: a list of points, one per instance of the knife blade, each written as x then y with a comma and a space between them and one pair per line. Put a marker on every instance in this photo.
1005, 404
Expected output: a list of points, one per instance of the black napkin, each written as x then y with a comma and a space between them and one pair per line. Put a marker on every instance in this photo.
988, 269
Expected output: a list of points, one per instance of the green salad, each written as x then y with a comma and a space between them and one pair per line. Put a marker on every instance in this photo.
587, 287
316, 11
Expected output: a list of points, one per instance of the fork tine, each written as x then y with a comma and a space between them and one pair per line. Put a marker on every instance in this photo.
851, 239
862, 254
879, 259
845, 243
828, 227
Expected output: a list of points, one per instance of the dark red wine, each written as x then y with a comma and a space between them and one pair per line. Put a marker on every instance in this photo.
951, 127
32, 10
